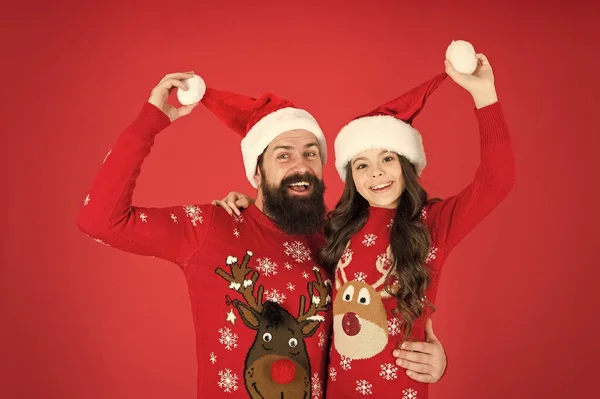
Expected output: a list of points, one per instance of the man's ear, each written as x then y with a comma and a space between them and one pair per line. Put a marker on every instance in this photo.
257, 177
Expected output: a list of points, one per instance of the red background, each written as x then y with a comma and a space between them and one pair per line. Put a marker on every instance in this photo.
516, 309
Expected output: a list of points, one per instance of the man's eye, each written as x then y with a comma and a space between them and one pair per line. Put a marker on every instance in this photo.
310, 154
282, 156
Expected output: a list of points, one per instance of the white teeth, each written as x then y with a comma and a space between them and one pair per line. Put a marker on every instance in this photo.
381, 186
302, 183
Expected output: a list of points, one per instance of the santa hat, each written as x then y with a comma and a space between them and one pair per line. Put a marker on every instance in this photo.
259, 121
388, 127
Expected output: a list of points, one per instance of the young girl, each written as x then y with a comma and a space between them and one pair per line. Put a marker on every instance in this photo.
387, 241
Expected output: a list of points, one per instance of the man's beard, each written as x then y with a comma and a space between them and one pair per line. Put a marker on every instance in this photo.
295, 214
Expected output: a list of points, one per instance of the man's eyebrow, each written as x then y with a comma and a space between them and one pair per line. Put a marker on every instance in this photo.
283, 147
289, 147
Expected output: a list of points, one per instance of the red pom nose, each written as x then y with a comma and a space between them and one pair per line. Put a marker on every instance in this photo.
283, 371
351, 324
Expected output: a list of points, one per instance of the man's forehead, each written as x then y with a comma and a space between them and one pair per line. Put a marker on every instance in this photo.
294, 139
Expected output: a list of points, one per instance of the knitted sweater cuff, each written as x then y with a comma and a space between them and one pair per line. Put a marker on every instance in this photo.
150, 121
492, 124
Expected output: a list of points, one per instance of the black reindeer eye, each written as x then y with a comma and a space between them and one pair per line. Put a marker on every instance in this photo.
293, 342
364, 297
267, 337
348, 294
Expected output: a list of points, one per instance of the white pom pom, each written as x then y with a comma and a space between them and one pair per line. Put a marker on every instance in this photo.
194, 93
461, 55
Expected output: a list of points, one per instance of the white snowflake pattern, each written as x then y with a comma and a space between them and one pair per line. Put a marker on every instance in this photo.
360, 276
267, 267
369, 240
275, 296
394, 326
424, 213
316, 386
332, 373
174, 218
409, 394
238, 219
305, 275
228, 338
346, 363
431, 255
86, 200
193, 212
364, 387
144, 217
347, 253
229, 380
213, 358
291, 287
391, 223
236, 233
388, 371
321, 339
287, 266
297, 250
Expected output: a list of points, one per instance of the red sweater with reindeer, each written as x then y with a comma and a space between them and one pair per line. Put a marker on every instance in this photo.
261, 305
365, 331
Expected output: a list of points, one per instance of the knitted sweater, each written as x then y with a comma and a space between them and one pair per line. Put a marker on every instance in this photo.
261, 305
365, 332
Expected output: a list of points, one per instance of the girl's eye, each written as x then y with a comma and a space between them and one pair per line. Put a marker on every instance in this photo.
361, 166
388, 159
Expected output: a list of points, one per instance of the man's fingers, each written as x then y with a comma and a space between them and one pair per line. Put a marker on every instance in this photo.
429, 335
418, 346
426, 378
412, 356
416, 367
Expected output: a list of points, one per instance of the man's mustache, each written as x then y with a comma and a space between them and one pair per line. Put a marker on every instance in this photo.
297, 178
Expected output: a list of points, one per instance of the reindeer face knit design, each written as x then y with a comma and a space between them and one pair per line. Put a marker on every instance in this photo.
277, 363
